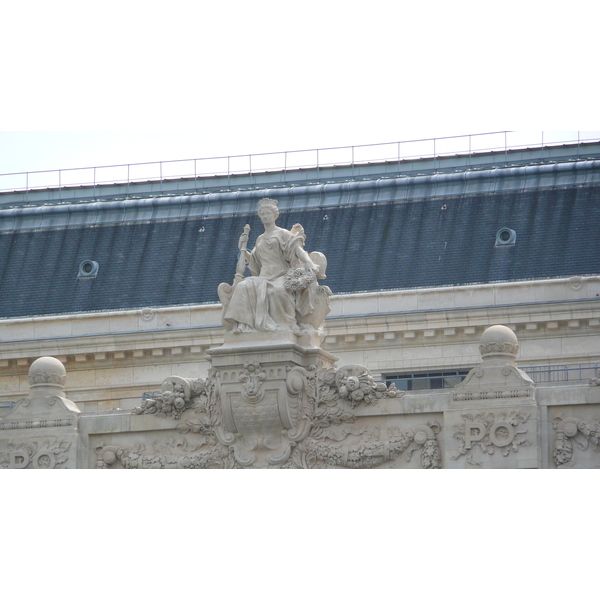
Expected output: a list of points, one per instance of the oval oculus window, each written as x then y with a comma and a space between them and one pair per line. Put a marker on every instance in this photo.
88, 268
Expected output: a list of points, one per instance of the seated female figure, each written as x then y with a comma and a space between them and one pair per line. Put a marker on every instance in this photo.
264, 302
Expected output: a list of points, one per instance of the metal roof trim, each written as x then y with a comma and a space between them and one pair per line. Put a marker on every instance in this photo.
211, 205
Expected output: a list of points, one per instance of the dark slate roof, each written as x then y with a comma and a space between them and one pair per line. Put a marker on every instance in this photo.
380, 246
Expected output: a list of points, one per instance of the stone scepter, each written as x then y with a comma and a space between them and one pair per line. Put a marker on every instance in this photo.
241, 263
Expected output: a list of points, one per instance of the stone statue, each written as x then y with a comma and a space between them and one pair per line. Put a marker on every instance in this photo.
282, 294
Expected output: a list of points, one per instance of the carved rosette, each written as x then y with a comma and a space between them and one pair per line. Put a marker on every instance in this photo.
572, 431
576, 283
505, 394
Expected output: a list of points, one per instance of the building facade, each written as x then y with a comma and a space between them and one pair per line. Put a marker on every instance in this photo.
425, 258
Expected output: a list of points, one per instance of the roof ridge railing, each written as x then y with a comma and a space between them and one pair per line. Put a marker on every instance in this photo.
291, 160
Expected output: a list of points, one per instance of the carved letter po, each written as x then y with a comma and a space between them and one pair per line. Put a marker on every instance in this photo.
502, 433
19, 459
473, 432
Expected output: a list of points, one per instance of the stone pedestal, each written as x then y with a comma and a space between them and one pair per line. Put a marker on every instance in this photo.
263, 388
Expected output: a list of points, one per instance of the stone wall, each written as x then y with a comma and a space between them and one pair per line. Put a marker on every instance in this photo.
284, 405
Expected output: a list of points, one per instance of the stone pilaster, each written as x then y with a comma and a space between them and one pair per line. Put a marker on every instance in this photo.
493, 418
41, 431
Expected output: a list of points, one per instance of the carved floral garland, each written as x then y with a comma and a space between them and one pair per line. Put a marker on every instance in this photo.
355, 384
371, 452
571, 430
331, 395
175, 397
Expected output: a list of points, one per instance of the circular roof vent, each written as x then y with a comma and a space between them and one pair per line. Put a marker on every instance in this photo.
88, 268
506, 237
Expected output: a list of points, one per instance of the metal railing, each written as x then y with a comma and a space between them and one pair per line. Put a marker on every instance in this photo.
557, 373
538, 373
293, 160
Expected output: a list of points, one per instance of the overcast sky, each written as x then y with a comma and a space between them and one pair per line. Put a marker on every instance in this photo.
134, 82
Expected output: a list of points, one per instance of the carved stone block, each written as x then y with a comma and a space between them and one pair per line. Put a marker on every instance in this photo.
54, 450
263, 392
493, 438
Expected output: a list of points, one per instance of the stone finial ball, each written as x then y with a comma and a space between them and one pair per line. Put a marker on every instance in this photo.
47, 371
498, 339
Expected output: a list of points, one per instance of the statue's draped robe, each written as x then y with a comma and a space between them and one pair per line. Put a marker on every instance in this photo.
261, 302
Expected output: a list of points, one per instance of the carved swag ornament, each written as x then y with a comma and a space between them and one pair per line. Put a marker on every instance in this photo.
320, 406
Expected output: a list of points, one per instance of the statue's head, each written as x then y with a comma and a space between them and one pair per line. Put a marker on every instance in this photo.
267, 207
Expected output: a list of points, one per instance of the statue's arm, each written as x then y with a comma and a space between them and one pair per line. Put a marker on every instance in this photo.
305, 258
245, 256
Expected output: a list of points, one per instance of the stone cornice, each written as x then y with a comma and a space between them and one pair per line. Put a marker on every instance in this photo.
432, 327
558, 307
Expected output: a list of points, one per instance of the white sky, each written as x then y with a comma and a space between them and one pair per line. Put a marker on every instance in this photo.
123, 82
93, 83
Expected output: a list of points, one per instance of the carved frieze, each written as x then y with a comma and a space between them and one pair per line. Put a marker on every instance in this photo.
492, 394
36, 424
268, 416
499, 347
171, 455
369, 450
50, 454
